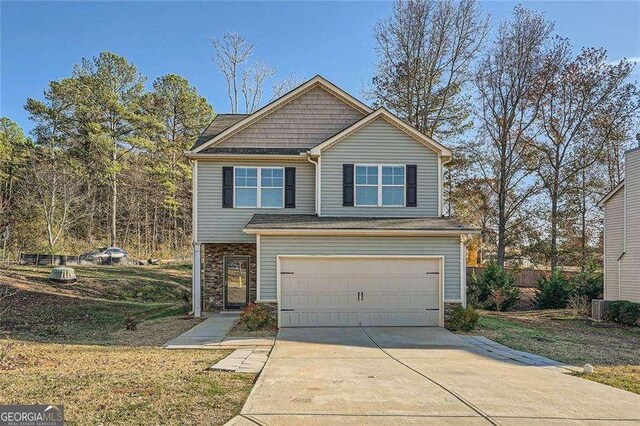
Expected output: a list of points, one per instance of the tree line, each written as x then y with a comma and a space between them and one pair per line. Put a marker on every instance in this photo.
105, 164
539, 131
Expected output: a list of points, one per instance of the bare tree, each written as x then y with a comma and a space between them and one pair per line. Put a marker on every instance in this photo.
425, 50
579, 88
55, 192
230, 54
254, 77
508, 80
287, 84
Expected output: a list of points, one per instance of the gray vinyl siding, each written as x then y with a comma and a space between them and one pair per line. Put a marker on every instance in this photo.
303, 122
379, 142
219, 225
271, 246
613, 243
622, 212
630, 271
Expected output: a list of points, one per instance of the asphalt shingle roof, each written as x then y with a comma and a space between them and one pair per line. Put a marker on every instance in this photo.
300, 221
219, 124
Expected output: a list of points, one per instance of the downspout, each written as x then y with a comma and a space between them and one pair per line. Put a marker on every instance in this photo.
315, 163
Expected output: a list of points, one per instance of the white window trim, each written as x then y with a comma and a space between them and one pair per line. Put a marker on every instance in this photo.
258, 187
380, 185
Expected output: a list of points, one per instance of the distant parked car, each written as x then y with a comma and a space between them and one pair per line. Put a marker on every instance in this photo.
106, 255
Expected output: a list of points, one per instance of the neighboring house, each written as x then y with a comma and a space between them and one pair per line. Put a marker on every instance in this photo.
327, 210
622, 234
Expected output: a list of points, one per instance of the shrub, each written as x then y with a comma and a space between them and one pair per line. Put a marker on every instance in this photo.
463, 319
623, 312
629, 313
494, 290
589, 283
613, 311
553, 292
257, 317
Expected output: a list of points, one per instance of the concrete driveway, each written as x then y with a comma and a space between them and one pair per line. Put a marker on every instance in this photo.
417, 375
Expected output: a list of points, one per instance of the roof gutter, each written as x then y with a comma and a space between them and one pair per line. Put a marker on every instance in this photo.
200, 156
365, 232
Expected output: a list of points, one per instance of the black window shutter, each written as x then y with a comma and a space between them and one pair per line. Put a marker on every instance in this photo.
227, 187
290, 187
412, 186
347, 184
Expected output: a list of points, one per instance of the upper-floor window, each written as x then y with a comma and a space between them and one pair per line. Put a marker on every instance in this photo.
259, 187
380, 185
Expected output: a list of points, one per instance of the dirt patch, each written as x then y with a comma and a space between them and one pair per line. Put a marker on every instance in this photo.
155, 332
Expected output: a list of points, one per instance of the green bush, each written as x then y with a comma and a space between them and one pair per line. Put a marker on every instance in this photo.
589, 283
623, 312
463, 319
495, 289
553, 292
257, 317
613, 311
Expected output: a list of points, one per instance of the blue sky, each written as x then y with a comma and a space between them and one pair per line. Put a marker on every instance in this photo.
41, 41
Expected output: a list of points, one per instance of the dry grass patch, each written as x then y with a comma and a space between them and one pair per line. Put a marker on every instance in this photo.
125, 385
613, 349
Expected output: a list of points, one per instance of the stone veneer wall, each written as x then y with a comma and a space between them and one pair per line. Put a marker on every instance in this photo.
448, 310
213, 284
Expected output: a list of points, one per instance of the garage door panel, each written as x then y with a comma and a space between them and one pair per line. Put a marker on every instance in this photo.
324, 291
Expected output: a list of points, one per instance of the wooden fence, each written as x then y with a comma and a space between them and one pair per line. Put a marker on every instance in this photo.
524, 277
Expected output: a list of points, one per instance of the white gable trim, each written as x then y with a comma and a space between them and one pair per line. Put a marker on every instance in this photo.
440, 149
611, 193
316, 81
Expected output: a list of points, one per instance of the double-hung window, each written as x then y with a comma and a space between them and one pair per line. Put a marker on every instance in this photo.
259, 187
380, 185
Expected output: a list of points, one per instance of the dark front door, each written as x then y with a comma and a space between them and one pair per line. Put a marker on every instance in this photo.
236, 281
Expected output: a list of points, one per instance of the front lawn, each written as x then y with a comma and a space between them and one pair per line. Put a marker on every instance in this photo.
124, 385
94, 309
68, 344
612, 349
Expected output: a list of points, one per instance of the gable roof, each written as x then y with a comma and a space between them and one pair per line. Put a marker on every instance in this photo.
220, 123
611, 193
391, 119
317, 81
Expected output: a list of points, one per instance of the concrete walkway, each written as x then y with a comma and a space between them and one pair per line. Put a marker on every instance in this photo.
245, 360
212, 334
400, 375
501, 352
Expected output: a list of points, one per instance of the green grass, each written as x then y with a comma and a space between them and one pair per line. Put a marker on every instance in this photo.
612, 349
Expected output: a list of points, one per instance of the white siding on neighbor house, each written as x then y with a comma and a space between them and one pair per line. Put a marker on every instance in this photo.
219, 225
272, 246
301, 123
630, 271
613, 244
379, 143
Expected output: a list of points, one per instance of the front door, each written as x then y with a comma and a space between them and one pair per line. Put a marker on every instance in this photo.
236, 281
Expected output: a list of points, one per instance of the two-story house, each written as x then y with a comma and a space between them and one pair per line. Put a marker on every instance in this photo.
327, 210
622, 234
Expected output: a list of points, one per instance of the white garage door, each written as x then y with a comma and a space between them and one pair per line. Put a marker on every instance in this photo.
345, 291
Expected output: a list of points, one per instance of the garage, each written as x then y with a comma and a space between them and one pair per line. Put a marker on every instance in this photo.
324, 291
